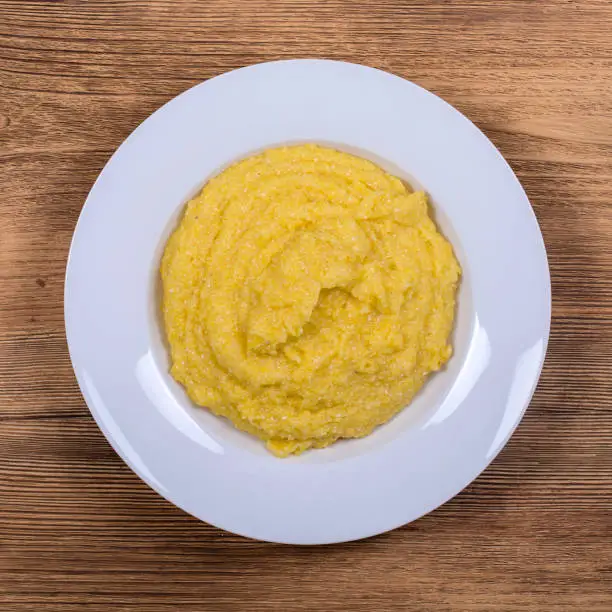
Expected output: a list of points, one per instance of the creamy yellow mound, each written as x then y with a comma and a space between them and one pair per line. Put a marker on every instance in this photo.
307, 295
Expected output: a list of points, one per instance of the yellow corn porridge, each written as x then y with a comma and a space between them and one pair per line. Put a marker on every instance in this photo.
307, 295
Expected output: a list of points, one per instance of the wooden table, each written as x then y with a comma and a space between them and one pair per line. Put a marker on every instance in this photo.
79, 531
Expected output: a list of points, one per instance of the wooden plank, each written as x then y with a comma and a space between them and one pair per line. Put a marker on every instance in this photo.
79, 531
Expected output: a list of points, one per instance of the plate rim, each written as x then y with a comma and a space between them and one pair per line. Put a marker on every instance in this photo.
112, 436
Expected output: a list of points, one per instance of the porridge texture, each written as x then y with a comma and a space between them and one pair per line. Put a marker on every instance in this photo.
307, 296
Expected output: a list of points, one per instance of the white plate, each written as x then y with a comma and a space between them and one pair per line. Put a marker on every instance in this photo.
354, 489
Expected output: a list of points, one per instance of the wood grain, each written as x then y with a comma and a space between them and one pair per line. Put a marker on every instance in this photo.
79, 531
